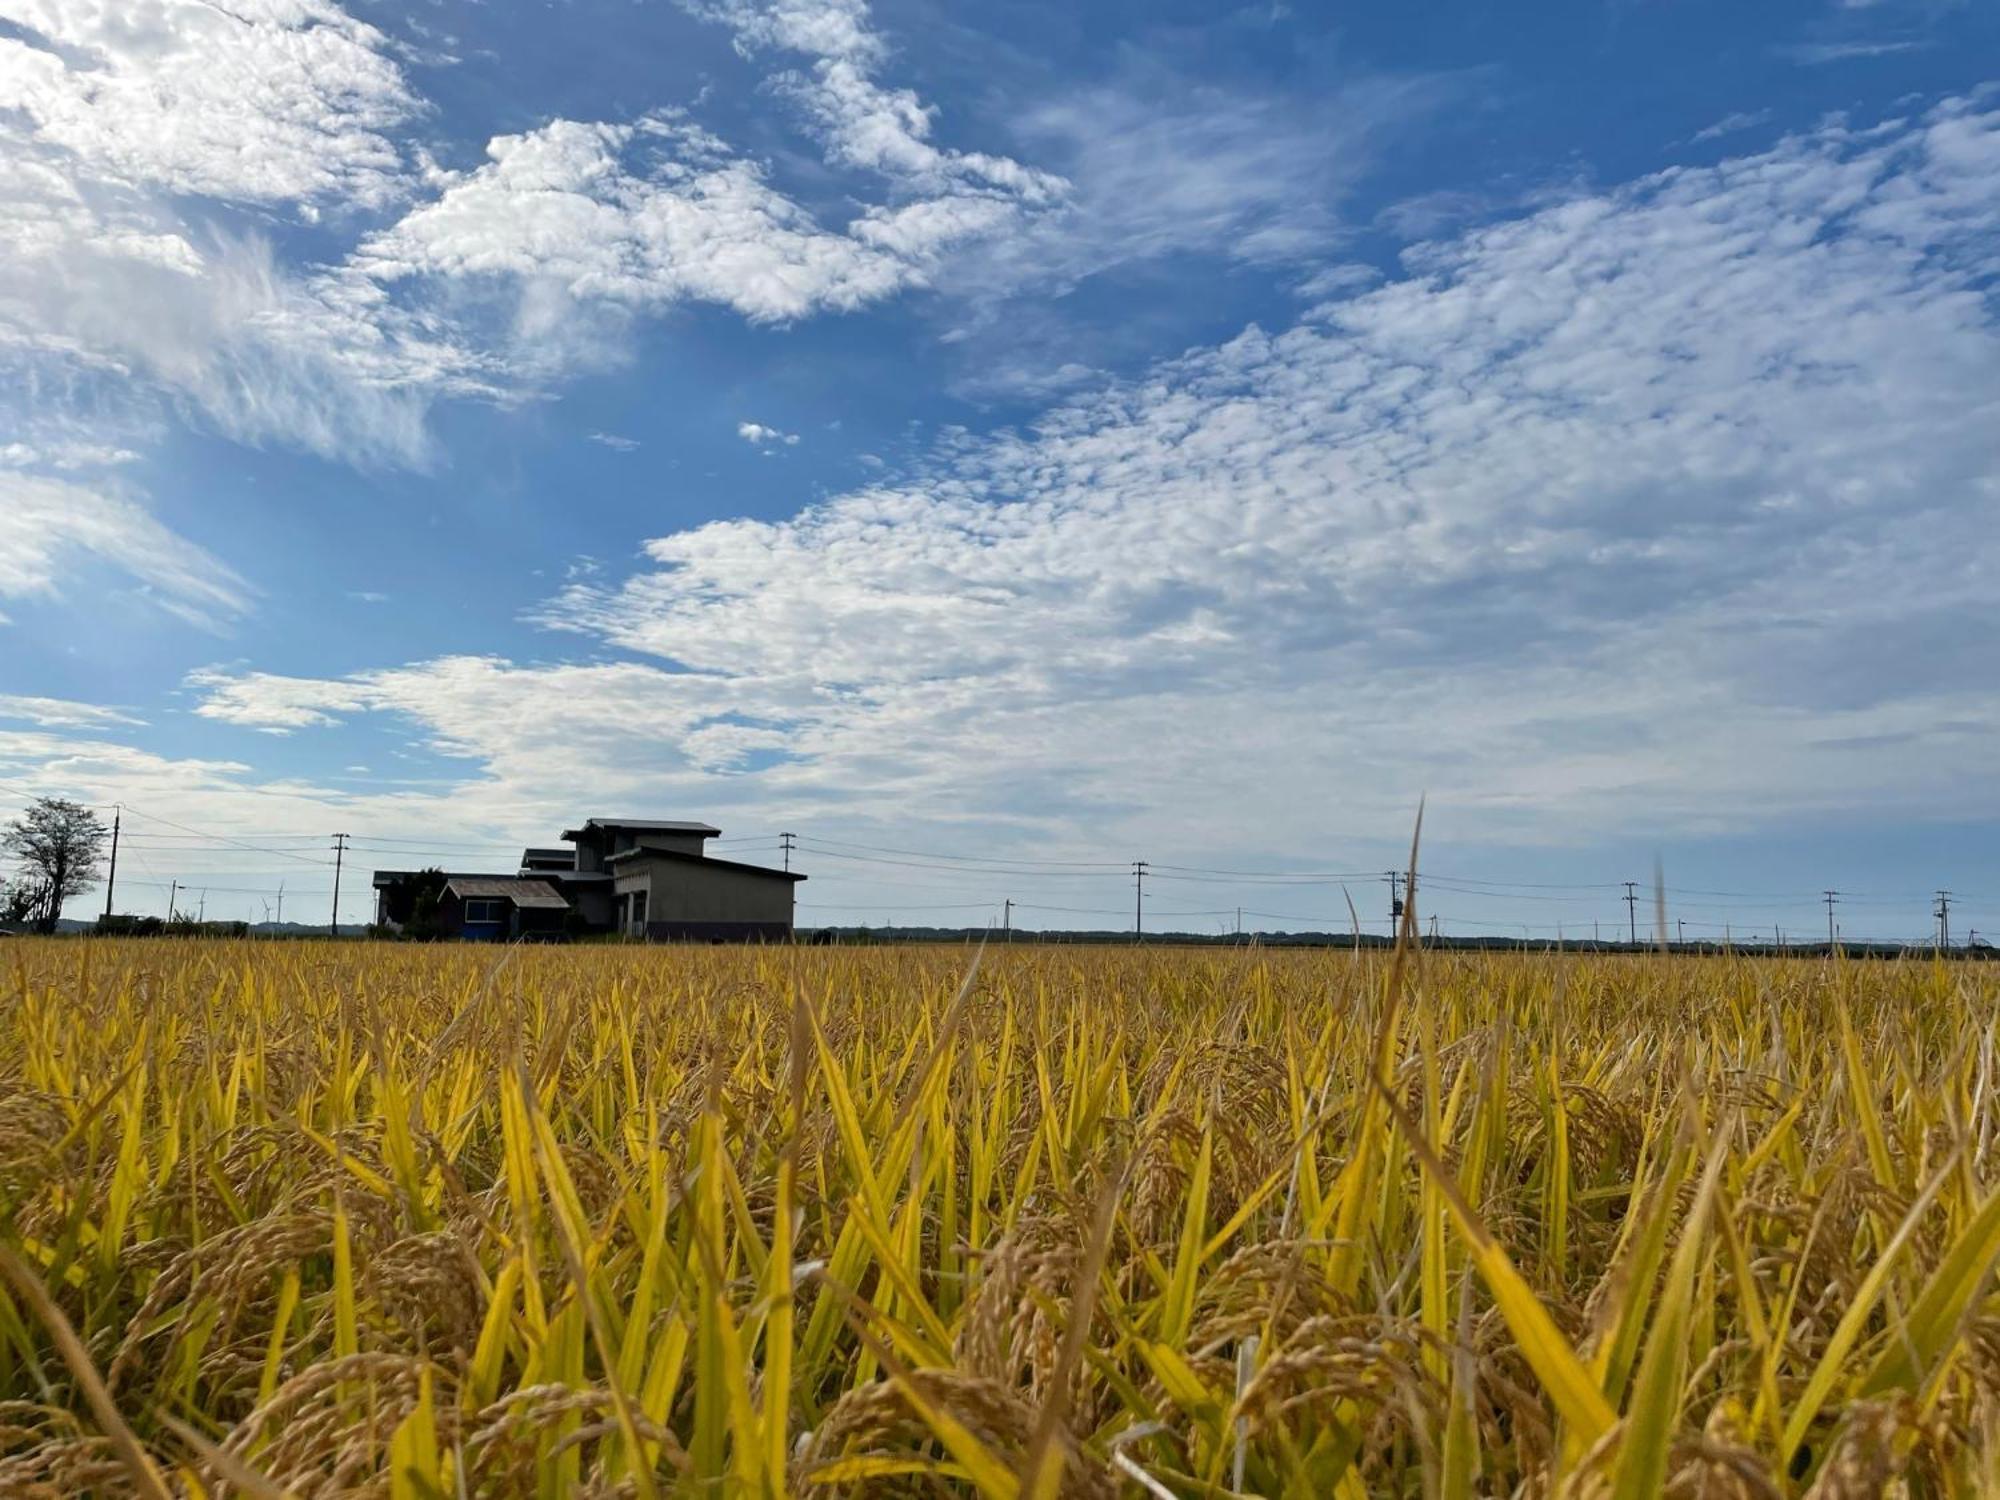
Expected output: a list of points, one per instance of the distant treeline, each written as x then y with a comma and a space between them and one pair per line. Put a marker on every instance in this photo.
1490, 944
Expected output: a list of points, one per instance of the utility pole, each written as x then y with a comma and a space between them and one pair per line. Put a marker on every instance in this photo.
201, 912
1239, 921
1138, 896
1395, 880
281, 903
1006, 920
1632, 910
173, 890
339, 853
1681, 930
1831, 897
1944, 918
786, 841
111, 880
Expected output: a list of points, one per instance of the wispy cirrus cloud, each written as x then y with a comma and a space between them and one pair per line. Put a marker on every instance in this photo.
48, 521
62, 713
132, 296
1818, 54
1733, 123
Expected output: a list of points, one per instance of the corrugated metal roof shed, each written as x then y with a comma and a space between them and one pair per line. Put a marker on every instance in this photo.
527, 894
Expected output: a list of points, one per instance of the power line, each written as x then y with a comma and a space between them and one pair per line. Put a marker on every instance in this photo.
146, 817
1097, 864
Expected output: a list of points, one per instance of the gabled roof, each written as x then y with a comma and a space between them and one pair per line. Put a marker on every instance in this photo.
529, 895
707, 862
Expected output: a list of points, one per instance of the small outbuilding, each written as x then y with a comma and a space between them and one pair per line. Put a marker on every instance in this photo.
494, 907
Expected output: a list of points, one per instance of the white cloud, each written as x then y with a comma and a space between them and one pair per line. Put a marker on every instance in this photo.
131, 296
1163, 166
261, 101
61, 713
1732, 123
50, 520
642, 216
1617, 513
763, 437
1817, 54
864, 123
614, 442
115, 312
63, 455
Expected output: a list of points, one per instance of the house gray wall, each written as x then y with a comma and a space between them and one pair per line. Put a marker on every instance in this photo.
707, 900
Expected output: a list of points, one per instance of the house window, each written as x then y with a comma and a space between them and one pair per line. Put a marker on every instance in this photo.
485, 910
638, 913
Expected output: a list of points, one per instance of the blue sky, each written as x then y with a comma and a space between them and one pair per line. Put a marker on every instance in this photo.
1028, 434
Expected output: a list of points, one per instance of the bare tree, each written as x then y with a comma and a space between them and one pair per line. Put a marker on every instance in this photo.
58, 847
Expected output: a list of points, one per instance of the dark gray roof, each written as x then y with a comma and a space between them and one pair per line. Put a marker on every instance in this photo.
648, 825
559, 853
389, 877
707, 861
528, 894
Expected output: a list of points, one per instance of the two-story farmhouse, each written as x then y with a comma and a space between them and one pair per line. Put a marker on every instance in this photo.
637, 876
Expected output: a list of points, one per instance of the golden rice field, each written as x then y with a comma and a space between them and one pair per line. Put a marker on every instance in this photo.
360, 1220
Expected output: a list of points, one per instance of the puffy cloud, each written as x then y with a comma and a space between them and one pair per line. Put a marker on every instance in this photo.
644, 215
649, 214
1618, 512
572, 205
49, 519
763, 437
261, 101
864, 123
